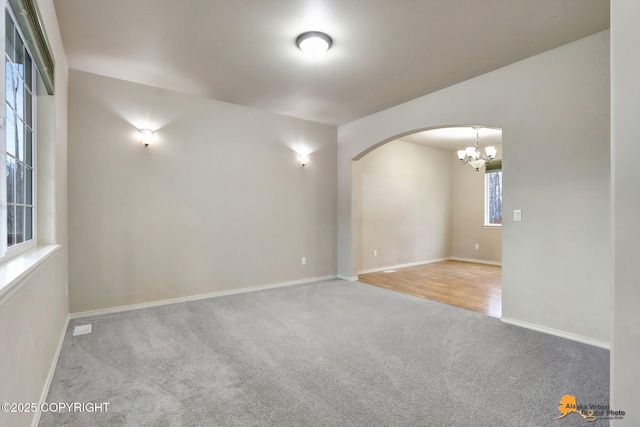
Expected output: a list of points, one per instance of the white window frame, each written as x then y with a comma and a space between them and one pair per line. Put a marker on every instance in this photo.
486, 202
6, 253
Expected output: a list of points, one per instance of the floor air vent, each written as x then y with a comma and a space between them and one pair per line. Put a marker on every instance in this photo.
82, 329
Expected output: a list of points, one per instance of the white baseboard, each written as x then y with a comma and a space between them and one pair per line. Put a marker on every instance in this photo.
347, 278
194, 297
477, 261
556, 332
52, 370
410, 264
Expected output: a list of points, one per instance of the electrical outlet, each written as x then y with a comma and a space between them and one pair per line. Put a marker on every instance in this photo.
375, 252
304, 260
477, 246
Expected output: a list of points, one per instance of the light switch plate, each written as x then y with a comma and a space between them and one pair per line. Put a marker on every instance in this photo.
517, 215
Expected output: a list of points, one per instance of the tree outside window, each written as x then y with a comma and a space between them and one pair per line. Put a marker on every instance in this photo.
493, 198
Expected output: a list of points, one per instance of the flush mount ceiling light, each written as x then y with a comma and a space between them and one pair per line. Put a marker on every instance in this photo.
313, 43
474, 157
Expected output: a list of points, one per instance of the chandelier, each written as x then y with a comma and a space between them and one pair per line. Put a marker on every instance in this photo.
474, 157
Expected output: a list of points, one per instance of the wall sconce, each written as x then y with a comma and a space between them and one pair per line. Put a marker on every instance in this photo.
146, 136
303, 158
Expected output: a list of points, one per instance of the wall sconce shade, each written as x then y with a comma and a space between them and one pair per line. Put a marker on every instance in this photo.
146, 136
303, 159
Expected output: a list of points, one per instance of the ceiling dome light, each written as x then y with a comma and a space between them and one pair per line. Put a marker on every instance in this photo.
313, 43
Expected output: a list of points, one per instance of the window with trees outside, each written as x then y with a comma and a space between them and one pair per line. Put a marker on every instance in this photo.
493, 198
18, 146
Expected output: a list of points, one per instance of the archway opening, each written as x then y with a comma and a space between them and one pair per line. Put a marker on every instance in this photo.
428, 225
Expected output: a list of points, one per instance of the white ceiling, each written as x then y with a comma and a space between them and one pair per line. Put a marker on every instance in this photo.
384, 52
455, 138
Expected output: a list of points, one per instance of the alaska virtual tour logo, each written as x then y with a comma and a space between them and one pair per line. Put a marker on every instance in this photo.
589, 412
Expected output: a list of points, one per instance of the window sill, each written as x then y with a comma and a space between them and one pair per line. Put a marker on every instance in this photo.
14, 271
493, 226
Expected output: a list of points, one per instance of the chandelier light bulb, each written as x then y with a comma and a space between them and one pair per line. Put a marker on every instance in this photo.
471, 152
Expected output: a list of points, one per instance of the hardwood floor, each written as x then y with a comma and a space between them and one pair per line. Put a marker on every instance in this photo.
475, 287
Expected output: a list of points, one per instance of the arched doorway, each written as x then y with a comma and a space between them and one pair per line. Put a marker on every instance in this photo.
421, 226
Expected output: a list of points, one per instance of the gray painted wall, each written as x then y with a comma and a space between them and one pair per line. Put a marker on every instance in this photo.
418, 204
219, 203
625, 93
405, 194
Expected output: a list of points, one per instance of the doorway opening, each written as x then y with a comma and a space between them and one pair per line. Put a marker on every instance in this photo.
429, 225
